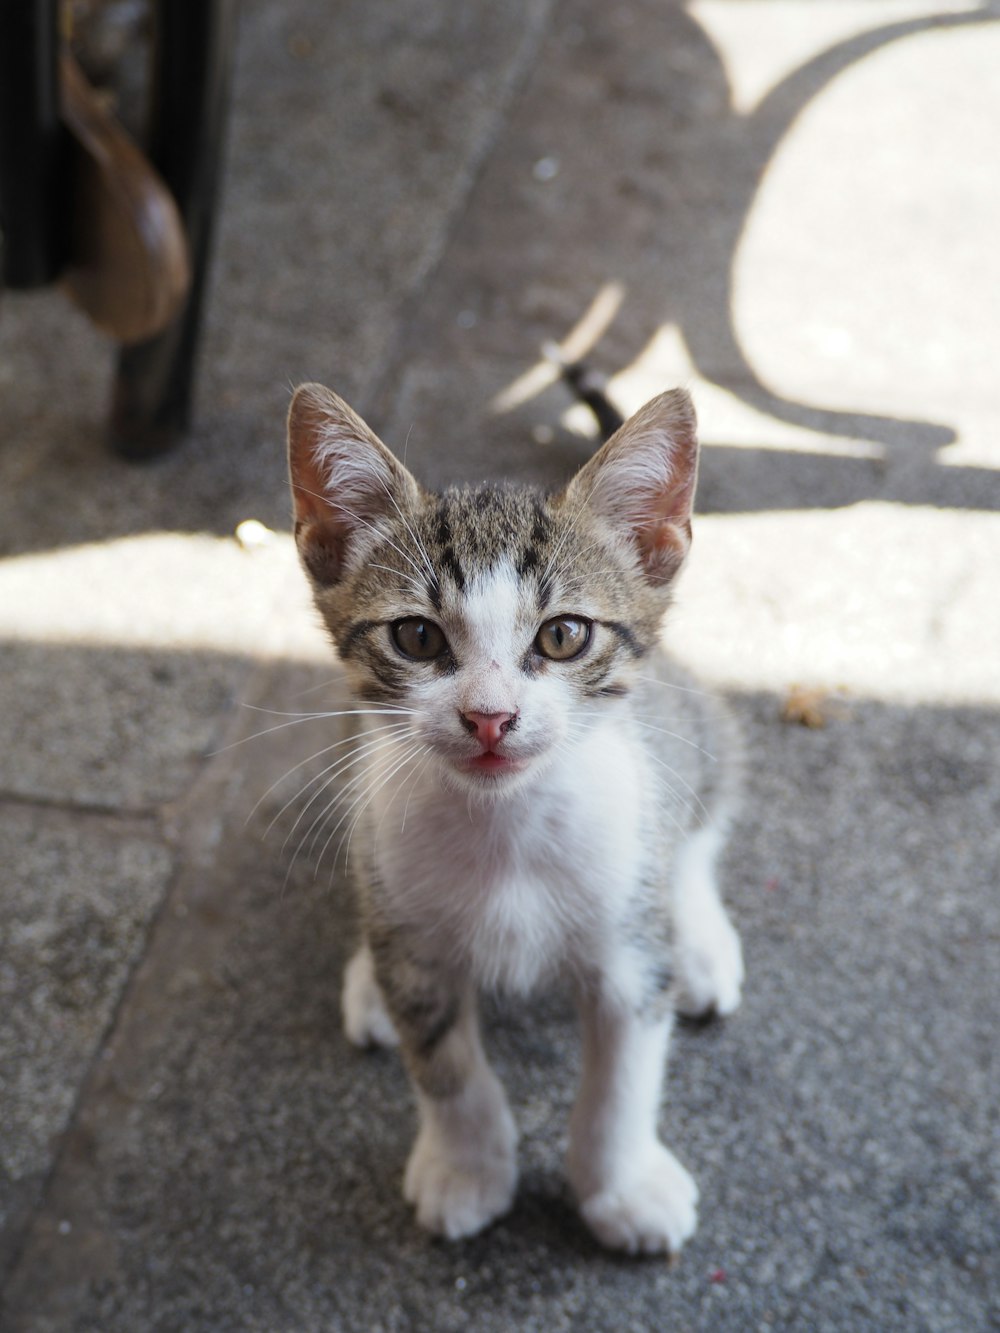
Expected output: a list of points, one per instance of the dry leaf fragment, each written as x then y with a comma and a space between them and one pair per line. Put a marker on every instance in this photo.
808, 707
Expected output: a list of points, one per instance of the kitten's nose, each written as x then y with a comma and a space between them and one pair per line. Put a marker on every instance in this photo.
488, 728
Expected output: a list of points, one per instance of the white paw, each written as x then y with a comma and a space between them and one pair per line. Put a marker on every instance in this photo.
709, 960
366, 1019
652, 1211
457, 1195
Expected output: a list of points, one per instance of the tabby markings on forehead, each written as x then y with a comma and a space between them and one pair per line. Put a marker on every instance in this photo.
475, 530
531, 556
445, 558
451, 566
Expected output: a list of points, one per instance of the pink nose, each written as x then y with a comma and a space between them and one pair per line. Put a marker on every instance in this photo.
488, 728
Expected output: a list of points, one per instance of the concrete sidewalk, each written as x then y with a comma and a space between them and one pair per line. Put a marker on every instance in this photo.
793, 210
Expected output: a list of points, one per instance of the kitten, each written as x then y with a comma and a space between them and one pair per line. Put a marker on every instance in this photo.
539, 795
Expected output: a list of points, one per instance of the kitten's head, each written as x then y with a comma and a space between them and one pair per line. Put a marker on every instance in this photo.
502, 617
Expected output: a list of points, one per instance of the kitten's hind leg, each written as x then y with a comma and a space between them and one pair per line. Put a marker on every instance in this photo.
707, 952
366, 1018
462, 1170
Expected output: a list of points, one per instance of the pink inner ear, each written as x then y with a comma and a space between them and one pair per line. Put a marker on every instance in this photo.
643, 481
309, 487
343, 479
663, 546
321, 548
321, 533
674, 503
664, 537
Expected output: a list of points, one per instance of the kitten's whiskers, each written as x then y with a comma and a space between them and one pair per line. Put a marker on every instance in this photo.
701, 813
363, 747
345, 740
298, 718
373, 527
367, 796
671, 685
361, 755
426, 750
413, 787
664, 731
357, 518
421, 549
571, 525
419, 588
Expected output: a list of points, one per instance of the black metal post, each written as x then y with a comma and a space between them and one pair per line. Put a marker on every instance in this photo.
193, 43
32, 146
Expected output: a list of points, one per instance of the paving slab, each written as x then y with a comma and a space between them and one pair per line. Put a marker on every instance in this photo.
78, 895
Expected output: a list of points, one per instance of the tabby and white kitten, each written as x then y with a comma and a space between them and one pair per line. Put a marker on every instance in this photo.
539, 795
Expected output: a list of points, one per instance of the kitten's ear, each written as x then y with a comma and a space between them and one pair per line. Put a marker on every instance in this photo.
343, 479
643, 481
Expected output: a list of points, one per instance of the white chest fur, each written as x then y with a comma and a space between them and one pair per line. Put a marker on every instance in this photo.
515, 887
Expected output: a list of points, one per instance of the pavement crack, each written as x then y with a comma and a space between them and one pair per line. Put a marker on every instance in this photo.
139, 817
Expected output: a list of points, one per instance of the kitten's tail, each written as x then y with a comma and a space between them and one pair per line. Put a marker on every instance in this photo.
589, 386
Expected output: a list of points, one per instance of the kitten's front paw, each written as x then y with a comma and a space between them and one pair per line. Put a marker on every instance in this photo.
457, 1195
709, 960
366, 1019
654, 1210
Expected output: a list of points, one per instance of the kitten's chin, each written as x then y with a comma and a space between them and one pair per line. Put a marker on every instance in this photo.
490, 764
492, 775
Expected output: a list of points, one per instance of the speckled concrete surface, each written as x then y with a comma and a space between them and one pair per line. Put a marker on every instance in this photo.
789, 209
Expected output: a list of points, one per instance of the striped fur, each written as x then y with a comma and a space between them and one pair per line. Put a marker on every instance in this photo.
545, 799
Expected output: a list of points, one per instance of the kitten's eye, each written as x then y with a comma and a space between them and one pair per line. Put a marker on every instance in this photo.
563, 638
418, 638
